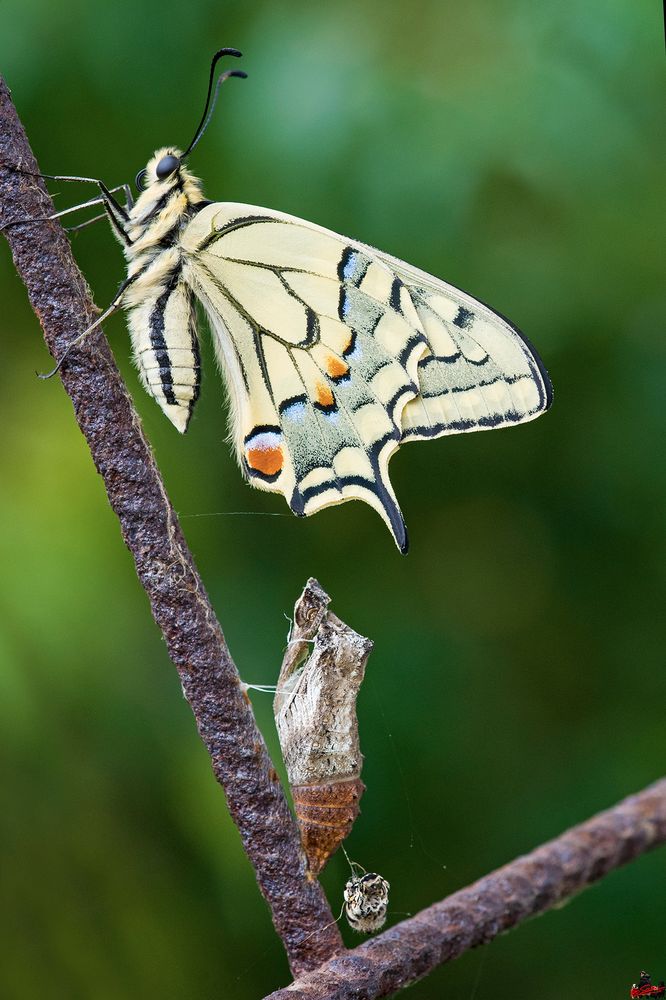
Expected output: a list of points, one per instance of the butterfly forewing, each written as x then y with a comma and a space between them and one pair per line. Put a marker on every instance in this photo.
480, 372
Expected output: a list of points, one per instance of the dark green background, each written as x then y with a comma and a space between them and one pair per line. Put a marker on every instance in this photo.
517, 684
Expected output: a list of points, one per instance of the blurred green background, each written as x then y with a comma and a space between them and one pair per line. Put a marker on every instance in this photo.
517, 685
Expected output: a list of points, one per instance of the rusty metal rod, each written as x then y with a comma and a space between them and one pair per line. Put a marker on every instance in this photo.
180, 606
524, 888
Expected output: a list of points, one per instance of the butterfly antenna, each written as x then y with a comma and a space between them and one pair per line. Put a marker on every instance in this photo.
207, 114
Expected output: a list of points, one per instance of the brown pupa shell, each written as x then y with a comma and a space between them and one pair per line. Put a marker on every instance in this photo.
325, 815
315, 714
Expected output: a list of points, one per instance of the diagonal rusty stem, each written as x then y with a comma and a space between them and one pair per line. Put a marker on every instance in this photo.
179, 603
530, 885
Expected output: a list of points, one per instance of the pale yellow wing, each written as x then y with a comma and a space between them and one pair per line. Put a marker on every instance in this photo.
481, 372
335, 353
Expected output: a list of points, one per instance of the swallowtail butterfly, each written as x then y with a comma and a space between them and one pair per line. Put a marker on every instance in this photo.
334, 353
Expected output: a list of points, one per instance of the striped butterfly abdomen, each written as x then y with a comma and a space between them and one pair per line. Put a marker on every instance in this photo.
166, 348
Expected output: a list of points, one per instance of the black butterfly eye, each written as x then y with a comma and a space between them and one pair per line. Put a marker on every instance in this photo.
140, 180
166, 166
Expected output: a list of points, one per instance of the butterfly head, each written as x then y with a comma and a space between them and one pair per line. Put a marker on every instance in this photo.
166, 170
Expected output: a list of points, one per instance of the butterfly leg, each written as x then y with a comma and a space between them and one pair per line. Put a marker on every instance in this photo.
115, 305
129, 200
129, 205
83, 225
73, 208
107, 195
118, 216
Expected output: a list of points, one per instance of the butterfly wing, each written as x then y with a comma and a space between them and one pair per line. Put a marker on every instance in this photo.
325, 345
481, 372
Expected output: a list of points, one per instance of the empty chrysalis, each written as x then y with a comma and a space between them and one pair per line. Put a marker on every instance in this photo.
315, 715
334, 353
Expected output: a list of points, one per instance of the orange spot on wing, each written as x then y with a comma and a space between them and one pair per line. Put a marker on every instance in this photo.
336, 367
265, 460
324, 395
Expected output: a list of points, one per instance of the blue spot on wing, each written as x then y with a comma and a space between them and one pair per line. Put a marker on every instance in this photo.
349, 265
293, 408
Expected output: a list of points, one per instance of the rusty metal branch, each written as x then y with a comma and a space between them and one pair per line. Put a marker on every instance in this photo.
524, 888
179, 603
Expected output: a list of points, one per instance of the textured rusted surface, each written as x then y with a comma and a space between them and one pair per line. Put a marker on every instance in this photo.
180, 606
315, 715
475, 915
325, 816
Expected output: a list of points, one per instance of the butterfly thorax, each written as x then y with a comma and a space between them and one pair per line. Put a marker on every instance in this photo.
162, 210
